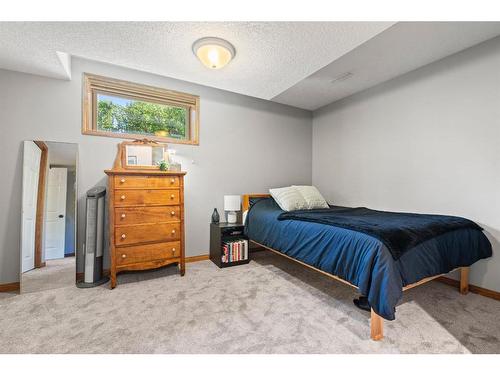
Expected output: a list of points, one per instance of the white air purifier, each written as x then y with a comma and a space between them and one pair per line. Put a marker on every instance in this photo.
93, 248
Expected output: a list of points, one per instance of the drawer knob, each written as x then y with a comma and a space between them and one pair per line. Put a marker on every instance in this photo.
124, 256
123, 216
122, 180
173, 231
172, 213
172, 196
173, 249
124, 236
122, 197
172, 181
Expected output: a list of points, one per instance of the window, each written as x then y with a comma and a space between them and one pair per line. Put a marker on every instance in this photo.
123, 109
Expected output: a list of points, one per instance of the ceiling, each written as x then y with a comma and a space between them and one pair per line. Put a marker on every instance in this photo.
399, 49
288, 62
270, 56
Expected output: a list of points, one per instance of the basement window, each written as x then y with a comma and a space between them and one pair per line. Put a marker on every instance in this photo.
121, 109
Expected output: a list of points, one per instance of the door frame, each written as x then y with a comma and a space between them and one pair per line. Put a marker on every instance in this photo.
40, 204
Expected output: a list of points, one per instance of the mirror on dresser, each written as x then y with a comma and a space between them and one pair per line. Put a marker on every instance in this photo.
143, 154
48, 217
146, 210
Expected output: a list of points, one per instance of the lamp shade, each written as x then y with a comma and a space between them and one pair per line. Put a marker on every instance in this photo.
214, 53
232, 202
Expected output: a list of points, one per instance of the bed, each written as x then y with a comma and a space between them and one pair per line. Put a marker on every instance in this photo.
361, 260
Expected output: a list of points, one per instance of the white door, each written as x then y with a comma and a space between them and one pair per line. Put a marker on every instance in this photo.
55, 222
31, 171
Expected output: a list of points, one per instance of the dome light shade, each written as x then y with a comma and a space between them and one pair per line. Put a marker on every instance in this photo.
214, 53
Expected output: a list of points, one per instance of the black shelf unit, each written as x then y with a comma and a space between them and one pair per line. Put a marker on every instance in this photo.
225, 232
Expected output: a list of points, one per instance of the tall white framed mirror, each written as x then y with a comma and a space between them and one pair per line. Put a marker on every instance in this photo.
48, 217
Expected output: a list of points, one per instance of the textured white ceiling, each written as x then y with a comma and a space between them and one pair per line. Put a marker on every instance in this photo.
399, 49
270, 56
288, 62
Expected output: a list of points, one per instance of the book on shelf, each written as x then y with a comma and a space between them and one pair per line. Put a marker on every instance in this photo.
234, 251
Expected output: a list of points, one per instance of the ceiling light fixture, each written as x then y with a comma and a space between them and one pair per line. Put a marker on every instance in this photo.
214, 53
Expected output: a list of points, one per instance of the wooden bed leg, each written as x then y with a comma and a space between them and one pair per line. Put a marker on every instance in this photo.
376, 327
464, 280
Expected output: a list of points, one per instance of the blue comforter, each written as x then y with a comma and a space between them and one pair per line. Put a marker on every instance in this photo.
362, 260
398, 231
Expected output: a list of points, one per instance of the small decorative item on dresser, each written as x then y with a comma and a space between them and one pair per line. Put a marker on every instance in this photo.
215, 216
174, 165
163, 165
232, 203
228, 245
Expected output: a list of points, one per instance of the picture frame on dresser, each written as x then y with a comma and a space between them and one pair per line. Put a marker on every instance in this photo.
146, 216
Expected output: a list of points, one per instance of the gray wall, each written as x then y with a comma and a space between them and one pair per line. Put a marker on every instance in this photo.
427, 141
246, 145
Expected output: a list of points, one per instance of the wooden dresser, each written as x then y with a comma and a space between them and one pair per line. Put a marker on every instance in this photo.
146, 219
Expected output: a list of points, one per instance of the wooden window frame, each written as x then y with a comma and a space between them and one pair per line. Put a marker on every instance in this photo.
94, 84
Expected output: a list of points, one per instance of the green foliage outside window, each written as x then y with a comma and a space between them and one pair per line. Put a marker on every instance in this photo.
120, 115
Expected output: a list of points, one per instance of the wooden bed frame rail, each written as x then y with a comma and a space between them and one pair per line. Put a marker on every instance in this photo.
376, 321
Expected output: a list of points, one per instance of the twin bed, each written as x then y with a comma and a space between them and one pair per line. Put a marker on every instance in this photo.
381, 267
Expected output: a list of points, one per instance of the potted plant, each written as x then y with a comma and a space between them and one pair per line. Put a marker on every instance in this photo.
163, 164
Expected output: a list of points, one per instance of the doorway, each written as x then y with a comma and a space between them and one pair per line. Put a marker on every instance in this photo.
48, 228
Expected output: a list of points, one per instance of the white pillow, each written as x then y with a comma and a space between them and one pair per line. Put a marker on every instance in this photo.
312, 196
288, 198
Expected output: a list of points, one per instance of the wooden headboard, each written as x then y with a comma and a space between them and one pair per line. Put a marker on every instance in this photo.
246, 200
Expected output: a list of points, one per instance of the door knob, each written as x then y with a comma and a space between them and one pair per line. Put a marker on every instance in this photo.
173, 249
122, 197
124, 236
172, 196
123, 216
61, 216
172, 181
173, 231
172, 213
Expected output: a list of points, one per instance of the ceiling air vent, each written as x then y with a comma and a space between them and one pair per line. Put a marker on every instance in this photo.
342, 77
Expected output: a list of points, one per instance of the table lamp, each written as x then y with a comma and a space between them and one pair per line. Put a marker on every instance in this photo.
232, 203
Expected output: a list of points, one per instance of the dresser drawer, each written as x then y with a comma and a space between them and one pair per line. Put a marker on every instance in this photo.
146, 215
151, 182
164, 197
146, 253
144, 233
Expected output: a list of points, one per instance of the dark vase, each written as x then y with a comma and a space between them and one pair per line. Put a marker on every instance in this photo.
215, 216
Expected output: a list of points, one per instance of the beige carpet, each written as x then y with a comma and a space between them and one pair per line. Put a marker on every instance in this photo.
271, 305
58, 273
